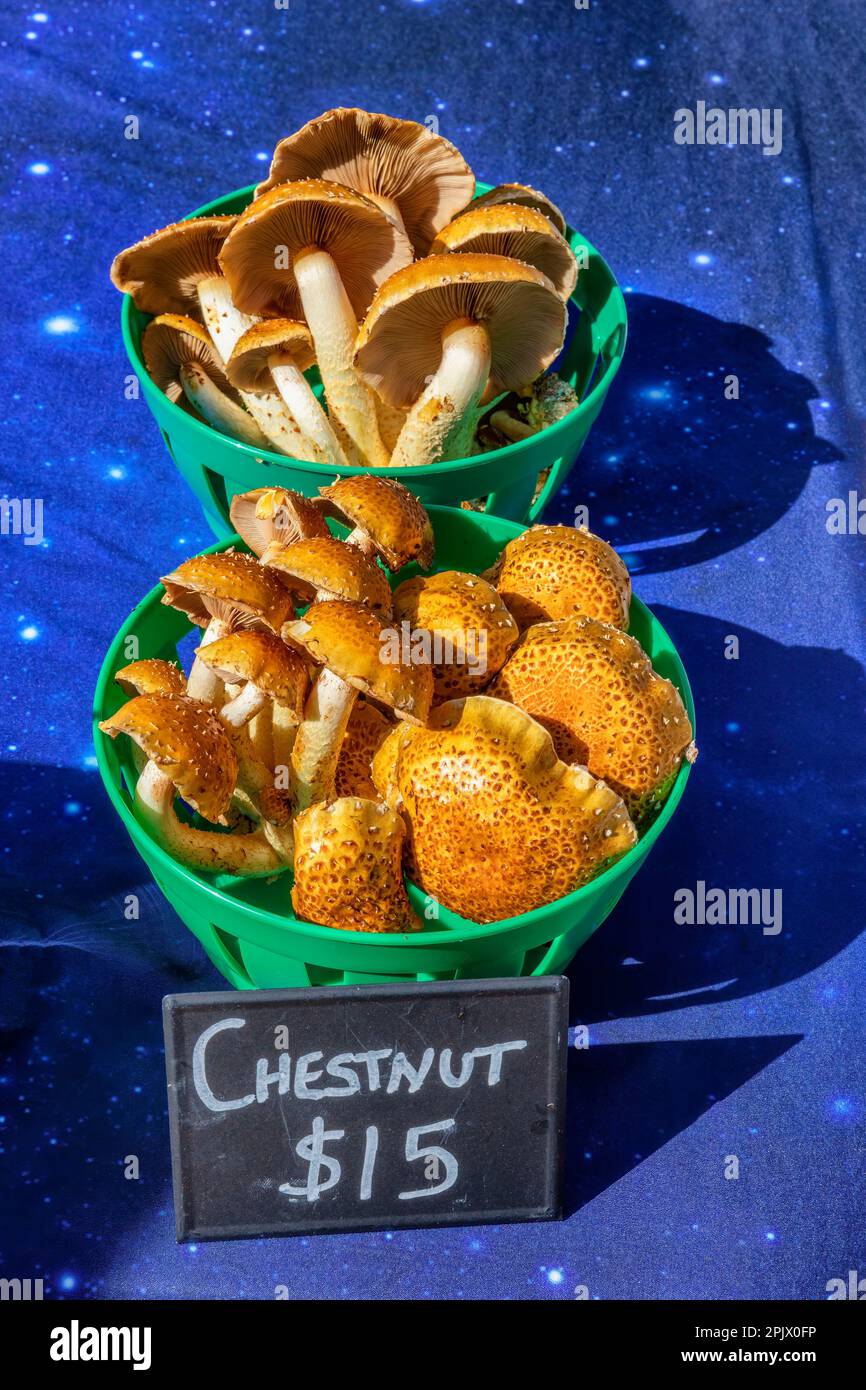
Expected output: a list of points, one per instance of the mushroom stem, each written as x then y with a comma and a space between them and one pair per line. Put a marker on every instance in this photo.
363, 541
284, 731
510, 426
217, 409
269, 804
298, 395
437, 422
248, 855
331, 321
202, 683
317, 746
244, 707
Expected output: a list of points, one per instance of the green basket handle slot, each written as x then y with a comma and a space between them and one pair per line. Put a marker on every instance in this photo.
222, 953
512, 500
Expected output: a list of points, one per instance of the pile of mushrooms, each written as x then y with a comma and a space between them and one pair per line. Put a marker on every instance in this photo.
498, 737
360, 253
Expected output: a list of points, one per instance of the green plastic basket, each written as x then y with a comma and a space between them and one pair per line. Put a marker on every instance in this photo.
247, 926
216, 467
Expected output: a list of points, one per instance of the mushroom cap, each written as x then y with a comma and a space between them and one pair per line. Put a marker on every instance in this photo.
380, 156
362, 240
353, 643
228, 585
365, 733
151, 676
506, 229
263, 659
595, 691
275, 514
392, 517
248, 366
468, 613
550, 572
348, 867
162, 272
186, 741
173, 341
497, 824
399, 345
524, 196
328, 566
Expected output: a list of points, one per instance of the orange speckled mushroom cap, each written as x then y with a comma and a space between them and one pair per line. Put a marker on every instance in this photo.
524, 196
186, 741
151, 676
365, 245
329, 566
356, 645
173, 341
475, 629
365, 733
399, 161
593, 687
550, 572
275, 514
248, 367
163, 272
231, 586
263, 659
497, 824
506, 229
393, 519
348, 867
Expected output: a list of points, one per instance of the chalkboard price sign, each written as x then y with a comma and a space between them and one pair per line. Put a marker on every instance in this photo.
366, 1107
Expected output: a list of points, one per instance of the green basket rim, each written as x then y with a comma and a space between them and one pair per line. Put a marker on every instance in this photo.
471, 931
427, 470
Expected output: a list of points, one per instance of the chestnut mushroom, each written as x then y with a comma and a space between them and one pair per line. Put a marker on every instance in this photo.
384, 517
275, 514
365, 733
325, 568
472, 629
348, 867
506, 229
184, 364
550, 572
524, 196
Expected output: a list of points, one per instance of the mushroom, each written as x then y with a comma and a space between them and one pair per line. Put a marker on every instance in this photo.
594, 688
323, 569
271, 674
524, 196
472, 630
151, 676
438, 329
350, 642
551, 400
188, 750
415, 176
317, 250
183, 363
550, 572
348, 867
176, 271
497, 825
222, 592
276, 353
275, 514
506, 229
365, 733
384, 518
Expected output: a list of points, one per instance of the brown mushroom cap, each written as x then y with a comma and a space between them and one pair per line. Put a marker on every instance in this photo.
173, 341
163, 272
497, 824
151, 676
328, 566
186, 741
550, 572
380, 156
263, 659
248, 368
469, 615
363, 242
228, 585
275, 514
507, 229
594, 689
524, 196
365, 733
390, 515
348, 867
400, 341
351, 641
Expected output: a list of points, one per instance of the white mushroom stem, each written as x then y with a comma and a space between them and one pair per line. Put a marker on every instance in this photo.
299, 396
219, 411
331, 321
260, 735
317, 746
248, 855
244, 707
203, 683
363, 541
436, 425
284, 731
510, 426
259, 784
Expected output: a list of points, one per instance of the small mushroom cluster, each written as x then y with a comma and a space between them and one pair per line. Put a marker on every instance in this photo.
360, 253
499, 737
